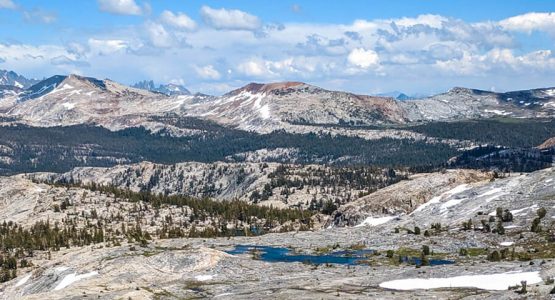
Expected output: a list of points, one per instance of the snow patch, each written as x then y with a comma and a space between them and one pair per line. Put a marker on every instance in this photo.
265, 112
204, 277
72, 278
63, 87
68, 106
23, 280
497, 282
458, 189
506, 244
371, 221
497, 112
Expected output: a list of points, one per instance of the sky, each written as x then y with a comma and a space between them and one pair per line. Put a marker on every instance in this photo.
368, 47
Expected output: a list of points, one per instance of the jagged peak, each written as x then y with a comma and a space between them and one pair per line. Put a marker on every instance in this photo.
169, 89
118, 88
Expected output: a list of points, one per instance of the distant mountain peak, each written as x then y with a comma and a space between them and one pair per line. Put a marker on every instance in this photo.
11, 78
170, 89
396, 95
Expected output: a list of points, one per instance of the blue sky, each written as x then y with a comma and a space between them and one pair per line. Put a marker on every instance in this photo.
214, 46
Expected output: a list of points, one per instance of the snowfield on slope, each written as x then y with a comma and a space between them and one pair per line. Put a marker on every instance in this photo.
72, 278
372, 221
497, 282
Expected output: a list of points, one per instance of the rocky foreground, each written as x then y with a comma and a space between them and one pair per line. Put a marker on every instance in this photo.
500, 228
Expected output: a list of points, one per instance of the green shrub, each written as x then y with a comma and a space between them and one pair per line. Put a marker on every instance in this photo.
494, 256
541, 212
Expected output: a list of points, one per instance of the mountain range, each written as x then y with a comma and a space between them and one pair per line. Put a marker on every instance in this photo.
292, 106
150, 192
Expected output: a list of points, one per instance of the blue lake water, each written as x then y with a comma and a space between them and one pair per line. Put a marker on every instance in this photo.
343, 257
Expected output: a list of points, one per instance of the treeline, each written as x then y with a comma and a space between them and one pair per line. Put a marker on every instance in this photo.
509, 132
59, 149
338, 181
249, 217
18, 244
504, 159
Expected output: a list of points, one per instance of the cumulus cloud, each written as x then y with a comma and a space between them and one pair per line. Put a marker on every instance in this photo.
106, 46
179, 20
255, 68
499, 60
318, 44
231, 19
7, 4
120, 7
363, 58
208, 72
432, 21
530, 22
30, 59
398, 53
158, 35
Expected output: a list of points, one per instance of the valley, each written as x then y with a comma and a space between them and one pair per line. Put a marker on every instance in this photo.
274, 190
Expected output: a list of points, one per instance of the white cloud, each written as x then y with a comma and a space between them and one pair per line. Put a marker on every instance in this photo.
158, 35
231, 19
530, 22
208, 72
8, 4
38, 61
120, 7
499, 60
179, 20
423, 53
106, 47
363, 58
255, 68
434, 21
